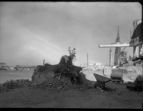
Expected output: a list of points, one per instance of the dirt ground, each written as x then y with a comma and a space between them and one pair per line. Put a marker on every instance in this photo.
117, 97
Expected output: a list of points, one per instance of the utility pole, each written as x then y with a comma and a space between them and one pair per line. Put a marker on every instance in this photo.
110, 56
87, 59
43, 62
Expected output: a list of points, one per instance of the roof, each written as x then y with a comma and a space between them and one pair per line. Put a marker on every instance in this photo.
137, 32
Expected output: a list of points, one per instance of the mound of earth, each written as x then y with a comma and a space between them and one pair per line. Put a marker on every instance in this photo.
62, 76
57, 76
52, 82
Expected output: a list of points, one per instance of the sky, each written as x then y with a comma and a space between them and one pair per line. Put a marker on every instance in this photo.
33, 31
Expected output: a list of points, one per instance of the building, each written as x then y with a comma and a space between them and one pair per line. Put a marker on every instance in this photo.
2, 64
98, 64
24, 67
137, 39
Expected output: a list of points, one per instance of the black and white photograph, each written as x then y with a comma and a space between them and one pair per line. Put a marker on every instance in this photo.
71, 55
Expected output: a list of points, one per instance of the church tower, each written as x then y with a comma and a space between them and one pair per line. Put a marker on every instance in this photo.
117, 50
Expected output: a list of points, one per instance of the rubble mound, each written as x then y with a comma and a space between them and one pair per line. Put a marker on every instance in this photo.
54, 82
56, 76
62, 75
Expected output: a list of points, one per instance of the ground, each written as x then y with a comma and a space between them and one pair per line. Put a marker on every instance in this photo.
117, 97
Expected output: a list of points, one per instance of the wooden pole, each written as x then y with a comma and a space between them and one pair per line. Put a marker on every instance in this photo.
43, 62
110, 56
87, 59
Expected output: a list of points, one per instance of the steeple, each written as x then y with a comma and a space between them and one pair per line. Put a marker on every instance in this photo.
118, 37
117, 50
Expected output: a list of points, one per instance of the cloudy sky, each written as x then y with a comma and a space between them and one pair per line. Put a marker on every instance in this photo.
33, 31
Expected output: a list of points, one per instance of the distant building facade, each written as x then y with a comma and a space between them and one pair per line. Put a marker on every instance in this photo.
2, 64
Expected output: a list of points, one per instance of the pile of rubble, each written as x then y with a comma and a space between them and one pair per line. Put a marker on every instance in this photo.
56, 76
64, 74
52, 82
